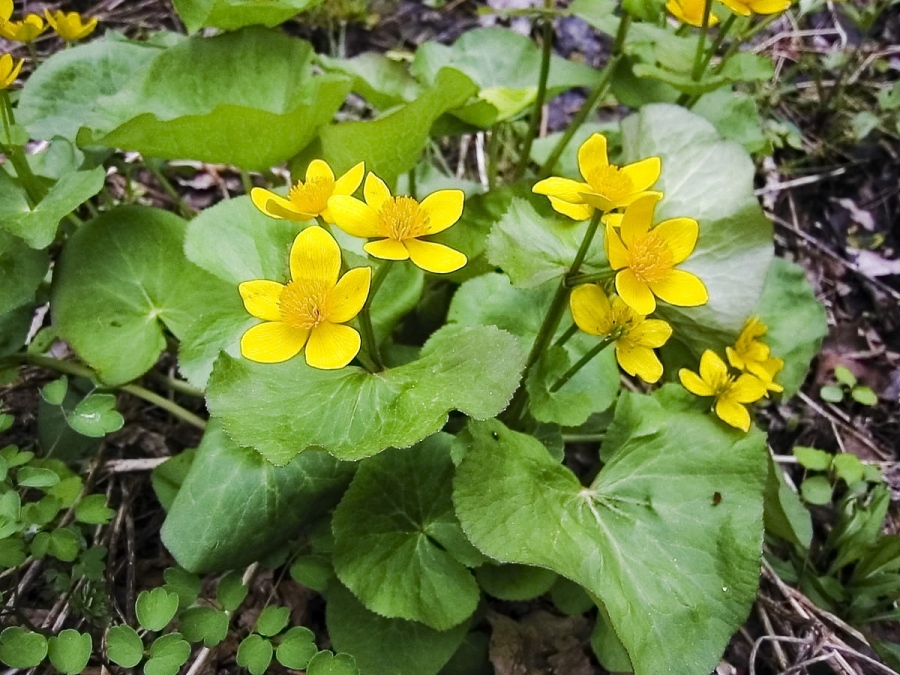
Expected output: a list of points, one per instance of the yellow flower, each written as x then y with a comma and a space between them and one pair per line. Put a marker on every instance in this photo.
645, 258
69, 25
730, 394
6, 10
750, 355
690, 12
23, 31
308, 311
748, 7
635, 336
9, 70
310, 199
400, 223
607, 186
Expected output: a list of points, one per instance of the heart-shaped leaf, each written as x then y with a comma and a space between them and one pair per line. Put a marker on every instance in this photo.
21, 271
233, 14
70, 651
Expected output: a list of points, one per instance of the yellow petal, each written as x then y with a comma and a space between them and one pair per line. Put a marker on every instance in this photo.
643, 174
747, 389
433, 257
319, 169
712, 367
635, 292
592, 155
273, 342
442, 209
349, 295
639, 361
375, 191
693, 383
387, 249
769, 6
562, 188
261, 298
733, 413
331, 346
315, 255
682, 289
355, 217
349, 182
6, 10
591, 309
638, 217
616, 253
573, 211
680, 235
737, 6
651, 333
734, 358
276, 206
612, 219
598, 201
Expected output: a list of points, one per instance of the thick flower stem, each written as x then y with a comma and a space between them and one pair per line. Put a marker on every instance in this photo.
183, 208
596, 277
539, 99
581, 363
77, 370
365, 320
566, 336
33, 187
588, 106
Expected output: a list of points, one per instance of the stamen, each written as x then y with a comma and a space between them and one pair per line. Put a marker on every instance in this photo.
403, 218
610, 182
312, 196
651, 259
305, 303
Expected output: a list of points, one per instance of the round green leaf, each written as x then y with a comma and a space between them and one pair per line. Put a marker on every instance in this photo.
382, 645
811, 458
96, 416
70, 651
12, 553
255, 654
184, 583
156, 608
474, 370
312, 571
30, 476
204, 623
113, 294
272, 620
396, 535
514, 582
167, 654
21, 271
864, 396
816, 490
231, 591
20, 648
831, 393
233, 14
55, 392
326, 663
849, 467
93, 510
647, 533
64, 545
297, 647
234, 507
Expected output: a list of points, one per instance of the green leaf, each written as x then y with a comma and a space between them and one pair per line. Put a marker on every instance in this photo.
816, 490
711, 181
864, 396
21, 271
156, 608
169, 476
353, 414
167, 654
648, 525
57, 437
29, 476
326, 663
312, 571
785, 515
736, 117
796, 321
93, 510
185, 584
397, 537
831, 393
570, 598
231, 591
96, 416
114, 311
815, 460
70, 651
255, 654
392, 145
848, 467
233, 14
514, 582
20, 648
382, 645
37, 226
272, 620
297, 647
14, 327
491, 300
55, 392
382, 81
234, 507
204, 623
12, 552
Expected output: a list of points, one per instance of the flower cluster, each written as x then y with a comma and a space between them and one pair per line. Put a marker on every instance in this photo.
68, 25
692, 11
310, 312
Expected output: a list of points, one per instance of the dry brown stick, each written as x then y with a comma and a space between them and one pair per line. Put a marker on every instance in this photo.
780, 656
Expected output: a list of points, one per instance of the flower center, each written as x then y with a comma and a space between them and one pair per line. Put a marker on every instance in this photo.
403, 218
305, 303
611, 182
312, 196
651, 259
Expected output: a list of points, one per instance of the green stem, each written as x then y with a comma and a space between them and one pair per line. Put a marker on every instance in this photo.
583, 438
720, 38
77, 370
182, 206
411, 179
538, 111
596, 277
175, 384
581, 363
595, 96
246, 181
365, 319
565, 337
697, 70
33, 187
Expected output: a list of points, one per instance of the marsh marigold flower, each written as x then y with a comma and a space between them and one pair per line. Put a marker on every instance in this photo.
6, 10
645, 258
751, 355
310, 310
69, 25
635, 336
399, 223
606, 186
748, 7
731, 394
690, 12
23, 31
9, 70
309, 199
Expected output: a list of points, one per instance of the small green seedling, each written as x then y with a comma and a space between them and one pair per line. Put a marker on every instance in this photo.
847, 383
